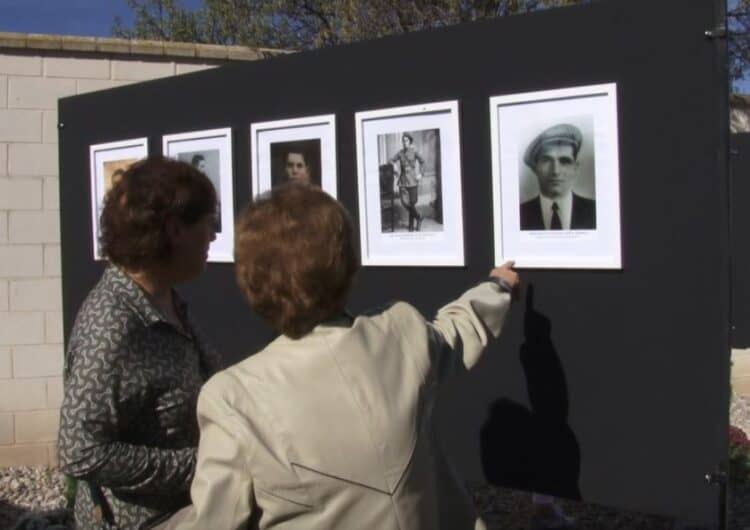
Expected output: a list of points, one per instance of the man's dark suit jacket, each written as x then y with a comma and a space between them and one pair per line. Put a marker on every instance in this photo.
583, 216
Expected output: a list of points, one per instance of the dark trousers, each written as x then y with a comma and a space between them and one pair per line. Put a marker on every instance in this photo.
409, 196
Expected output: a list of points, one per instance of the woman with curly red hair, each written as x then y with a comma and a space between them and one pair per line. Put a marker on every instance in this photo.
135, 359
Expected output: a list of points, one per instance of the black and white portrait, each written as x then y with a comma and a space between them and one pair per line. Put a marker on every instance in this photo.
409, 185
206, 161
294, 150
409, 178
555, 178
108, 162
296, 161
210, 151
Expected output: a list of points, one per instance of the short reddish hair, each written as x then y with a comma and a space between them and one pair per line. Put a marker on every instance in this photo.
140, 201
295, 257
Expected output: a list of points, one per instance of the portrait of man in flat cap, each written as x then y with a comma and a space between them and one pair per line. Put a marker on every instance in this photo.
556, 178
552, 156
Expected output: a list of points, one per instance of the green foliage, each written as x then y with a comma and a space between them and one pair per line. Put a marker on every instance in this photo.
69, 492
159, 20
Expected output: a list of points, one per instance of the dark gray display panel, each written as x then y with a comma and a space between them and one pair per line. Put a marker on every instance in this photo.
611, 386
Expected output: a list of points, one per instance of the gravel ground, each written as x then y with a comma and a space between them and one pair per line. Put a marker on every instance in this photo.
29, 489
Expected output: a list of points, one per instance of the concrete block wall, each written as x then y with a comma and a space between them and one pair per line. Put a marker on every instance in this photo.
36, 70
741, 372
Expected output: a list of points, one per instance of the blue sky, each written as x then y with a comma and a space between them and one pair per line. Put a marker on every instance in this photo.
91, 18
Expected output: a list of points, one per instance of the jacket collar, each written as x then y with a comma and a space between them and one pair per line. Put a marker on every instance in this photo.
344, 319
126, 289
340, 321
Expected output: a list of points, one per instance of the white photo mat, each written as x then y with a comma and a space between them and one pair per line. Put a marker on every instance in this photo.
515, 121
264, 134
104, 160
414, 248
215, 146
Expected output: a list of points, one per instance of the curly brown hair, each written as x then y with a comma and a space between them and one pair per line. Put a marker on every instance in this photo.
295, 257
136, 208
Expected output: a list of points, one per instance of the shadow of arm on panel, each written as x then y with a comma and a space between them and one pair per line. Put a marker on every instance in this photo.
534, 450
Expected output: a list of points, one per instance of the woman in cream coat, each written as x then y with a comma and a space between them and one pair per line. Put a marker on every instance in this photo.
330, 425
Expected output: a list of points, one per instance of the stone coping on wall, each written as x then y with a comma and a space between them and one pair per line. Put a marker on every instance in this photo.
108, 45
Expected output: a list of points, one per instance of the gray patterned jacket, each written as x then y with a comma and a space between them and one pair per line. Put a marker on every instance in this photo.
128, 428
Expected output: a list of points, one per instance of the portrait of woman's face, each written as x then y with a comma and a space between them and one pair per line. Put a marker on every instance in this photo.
297, 169
296, 161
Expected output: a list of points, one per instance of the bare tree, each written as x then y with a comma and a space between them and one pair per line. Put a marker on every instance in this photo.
307, 24
738, 22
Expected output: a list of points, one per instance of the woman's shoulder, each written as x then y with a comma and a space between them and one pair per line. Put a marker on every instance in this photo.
103, 305
108, 290
267, 370
394, 312
104, 309
236, 377
234, 387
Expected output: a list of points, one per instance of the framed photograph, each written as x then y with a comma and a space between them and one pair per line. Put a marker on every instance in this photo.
409, 181
107, 162
301, 149
555, 178
211, 152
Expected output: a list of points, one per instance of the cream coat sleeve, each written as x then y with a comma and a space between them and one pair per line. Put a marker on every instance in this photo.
222, 490
459, 332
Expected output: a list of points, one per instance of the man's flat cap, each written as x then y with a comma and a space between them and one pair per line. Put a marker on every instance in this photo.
557, 134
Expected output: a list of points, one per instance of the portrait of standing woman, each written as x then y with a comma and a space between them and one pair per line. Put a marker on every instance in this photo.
409, 169
409, 166
136, 359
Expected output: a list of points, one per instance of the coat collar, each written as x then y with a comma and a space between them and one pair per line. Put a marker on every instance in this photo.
340, 321
126, 289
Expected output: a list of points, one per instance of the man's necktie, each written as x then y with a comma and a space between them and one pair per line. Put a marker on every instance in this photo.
555, 223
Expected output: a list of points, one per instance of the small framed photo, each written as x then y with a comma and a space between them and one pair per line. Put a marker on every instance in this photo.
300, 149
555, 178
211, 152
409, 182
107, 162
